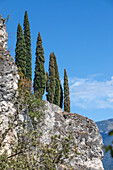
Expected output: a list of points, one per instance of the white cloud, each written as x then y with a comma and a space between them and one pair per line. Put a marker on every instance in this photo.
91, 93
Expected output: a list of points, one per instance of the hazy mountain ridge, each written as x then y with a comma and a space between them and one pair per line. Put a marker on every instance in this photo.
104, 127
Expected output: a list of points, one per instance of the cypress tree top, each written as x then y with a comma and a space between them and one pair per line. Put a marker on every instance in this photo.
51, 77
57, 83
39, 49
56, 67
66, 93
40, 78
27, 29
27, 37
20, 51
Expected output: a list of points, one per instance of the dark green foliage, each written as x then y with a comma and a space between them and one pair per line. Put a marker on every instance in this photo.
66, 93
57, 93
53, 85
27, 37
111, 133
47, 87
51, 78
20, 51
61, 96
56, 67
57, 83
40, 78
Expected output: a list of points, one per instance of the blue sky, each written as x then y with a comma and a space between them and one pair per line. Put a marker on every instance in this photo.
80, 32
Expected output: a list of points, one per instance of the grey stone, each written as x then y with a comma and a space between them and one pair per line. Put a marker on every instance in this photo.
85, 132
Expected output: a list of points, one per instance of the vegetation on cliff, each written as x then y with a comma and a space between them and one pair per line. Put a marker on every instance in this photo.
27, 37
50, 80
40, 77
47, 87
20, 51
66, 93
53, 85
57, 83
29, 152
61, 96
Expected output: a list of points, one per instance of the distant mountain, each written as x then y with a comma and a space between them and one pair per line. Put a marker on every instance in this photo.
104, 128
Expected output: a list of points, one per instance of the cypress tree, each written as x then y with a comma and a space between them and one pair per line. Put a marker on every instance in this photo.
40, 78
47, 87
27, 37
56, 67
66, 93
20, 51
61, 96
51, 78
57, 93
57, 83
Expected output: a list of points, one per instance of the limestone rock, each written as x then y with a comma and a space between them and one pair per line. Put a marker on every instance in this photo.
8, 83
85, 132
3, 34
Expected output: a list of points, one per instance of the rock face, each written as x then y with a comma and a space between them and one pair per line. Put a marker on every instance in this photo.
8, 79
3, 34
85, 132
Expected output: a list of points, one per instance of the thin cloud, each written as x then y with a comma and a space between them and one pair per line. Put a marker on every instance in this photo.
91, 93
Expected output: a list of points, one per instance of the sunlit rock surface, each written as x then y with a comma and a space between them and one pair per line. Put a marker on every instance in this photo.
8, 84
85, 132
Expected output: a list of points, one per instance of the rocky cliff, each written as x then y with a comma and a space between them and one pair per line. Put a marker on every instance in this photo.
83, 130
8, 81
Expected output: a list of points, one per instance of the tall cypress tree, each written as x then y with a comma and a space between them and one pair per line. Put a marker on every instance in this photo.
51, 78
66, 93
40, 78
57, 83
20, 51
27, 37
